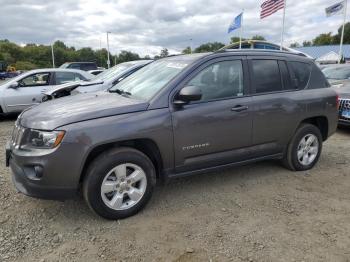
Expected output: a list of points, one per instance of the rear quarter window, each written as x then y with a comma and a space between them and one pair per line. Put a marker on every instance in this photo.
300, 73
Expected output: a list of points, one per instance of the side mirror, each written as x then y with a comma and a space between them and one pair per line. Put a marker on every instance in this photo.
14, 85
188, 94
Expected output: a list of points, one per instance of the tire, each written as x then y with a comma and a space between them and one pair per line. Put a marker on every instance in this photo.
114, 193
299, 157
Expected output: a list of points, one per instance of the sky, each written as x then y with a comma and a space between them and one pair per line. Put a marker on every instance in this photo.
147, 26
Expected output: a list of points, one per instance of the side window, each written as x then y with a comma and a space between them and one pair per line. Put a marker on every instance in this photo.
220, 80
266, 75
39, 79
300, 73
88, 67
74, 66
65, 77
79, 77
287, 82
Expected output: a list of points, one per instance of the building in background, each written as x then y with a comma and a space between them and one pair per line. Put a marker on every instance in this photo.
326, 54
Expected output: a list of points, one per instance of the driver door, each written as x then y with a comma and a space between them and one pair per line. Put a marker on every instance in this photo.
216, 130
28, 93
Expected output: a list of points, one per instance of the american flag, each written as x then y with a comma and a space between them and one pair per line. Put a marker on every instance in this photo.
271, 6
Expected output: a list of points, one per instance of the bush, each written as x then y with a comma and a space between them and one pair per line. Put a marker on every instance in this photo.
23, 65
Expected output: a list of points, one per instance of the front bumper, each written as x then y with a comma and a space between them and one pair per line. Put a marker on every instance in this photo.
32, 177
343, 122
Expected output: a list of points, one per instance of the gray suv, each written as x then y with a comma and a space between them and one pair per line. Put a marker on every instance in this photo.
177, 116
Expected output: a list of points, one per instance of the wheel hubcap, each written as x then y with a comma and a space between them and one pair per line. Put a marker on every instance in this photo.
308, 149
123, 186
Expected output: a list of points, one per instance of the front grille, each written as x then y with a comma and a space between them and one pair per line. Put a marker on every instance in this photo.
344, 105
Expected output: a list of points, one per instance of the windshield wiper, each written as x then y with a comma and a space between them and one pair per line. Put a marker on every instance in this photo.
119, 92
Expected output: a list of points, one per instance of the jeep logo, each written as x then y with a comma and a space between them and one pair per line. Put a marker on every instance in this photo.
195, 146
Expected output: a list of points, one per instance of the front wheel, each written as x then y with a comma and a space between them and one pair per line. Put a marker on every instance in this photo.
119, 183
304, 149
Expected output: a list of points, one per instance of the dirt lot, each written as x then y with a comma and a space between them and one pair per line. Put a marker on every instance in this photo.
260, 212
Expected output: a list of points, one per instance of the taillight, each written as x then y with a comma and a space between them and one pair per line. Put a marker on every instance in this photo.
338, 102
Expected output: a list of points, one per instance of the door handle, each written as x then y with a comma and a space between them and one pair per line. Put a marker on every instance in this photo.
239, 108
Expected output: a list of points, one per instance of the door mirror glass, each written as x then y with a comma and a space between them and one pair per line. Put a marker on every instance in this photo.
188, 94
14, 85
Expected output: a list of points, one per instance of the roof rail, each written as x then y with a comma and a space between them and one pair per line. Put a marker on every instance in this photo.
286, 50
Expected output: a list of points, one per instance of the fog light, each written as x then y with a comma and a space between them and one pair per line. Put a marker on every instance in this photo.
38, 171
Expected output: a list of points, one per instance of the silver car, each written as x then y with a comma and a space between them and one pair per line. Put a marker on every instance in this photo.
101, 82
27, 89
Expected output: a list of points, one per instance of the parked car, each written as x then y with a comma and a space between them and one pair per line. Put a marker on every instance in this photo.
85, 66
337, 75
177, 116
27, 89
101, 82
344, 105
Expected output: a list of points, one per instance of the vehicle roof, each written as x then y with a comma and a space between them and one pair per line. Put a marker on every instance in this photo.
79, 63
241, 52
137, 62
56, 70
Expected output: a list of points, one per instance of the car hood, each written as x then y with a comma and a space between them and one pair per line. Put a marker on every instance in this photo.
70, 86
71, 109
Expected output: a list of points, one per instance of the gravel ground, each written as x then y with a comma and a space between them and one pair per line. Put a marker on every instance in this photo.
260, 212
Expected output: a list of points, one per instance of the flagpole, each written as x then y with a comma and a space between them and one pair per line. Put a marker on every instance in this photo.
283, 19
240, 31
342, 34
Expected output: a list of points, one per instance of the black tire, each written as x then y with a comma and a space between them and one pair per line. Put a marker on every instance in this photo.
98, 170
290, 159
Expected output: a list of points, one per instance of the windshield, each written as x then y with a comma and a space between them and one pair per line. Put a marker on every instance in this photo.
338, 73
112, 72
65, 65
146, 82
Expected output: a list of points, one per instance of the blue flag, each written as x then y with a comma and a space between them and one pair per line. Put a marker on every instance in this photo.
236, 23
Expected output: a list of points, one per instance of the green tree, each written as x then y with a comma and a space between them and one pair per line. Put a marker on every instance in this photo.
209, 47
258, 37
235, 39
126, 56
307, 43
164, 52
346, 34
323, 39
294, 45
187, 51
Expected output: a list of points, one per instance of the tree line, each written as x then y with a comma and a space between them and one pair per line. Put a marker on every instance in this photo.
327, 38
33, 56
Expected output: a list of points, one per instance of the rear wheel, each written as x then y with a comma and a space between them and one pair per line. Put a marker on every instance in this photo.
304, 149
119, 183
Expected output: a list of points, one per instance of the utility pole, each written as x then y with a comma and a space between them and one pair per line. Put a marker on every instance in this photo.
53, 56
108, 61
191, 45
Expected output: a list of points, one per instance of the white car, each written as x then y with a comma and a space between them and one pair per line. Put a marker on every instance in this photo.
27, 89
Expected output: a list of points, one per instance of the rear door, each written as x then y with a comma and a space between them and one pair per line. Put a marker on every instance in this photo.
217, 129
28, 93
276, 110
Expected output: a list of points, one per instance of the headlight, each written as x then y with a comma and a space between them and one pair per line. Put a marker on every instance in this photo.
42, 139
